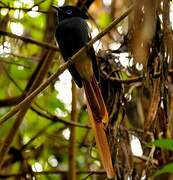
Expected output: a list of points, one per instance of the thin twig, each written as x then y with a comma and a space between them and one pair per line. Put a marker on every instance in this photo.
24, 57
145, 158
39, 133
14, 63
10, 78
37, 4
149, 158
3, 175
25, 9
55, 118
3, 3
133, 79
29, 40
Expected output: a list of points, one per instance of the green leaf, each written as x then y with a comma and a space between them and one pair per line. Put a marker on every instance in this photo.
104, 19
164, 143
168, 168
18, 72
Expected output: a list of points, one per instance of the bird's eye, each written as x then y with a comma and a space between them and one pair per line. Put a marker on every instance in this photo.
69, 11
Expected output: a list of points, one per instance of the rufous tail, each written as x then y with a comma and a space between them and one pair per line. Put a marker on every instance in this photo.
102, 144
98, 115
95, 100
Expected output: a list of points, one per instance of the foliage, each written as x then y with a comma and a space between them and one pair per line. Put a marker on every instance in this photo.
168, 145
164, 144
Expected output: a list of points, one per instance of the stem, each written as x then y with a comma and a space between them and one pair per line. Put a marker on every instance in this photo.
72, 143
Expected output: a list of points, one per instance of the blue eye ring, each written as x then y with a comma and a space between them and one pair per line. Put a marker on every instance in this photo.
69, 12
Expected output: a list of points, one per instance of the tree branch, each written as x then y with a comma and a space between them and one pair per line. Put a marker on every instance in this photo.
57, 119
134, 79
51, 172
24, 9
29, 40
14, 63
72, 142
26, 102
63, 67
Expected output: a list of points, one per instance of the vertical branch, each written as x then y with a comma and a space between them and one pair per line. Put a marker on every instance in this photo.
72, 143
154, 105
166, 19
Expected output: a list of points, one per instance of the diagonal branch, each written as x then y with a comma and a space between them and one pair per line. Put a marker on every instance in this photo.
64, 66
26, 102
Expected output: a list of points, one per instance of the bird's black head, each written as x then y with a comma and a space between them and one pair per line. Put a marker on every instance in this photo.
66, 12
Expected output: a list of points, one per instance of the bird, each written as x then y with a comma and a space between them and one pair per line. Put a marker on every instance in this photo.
71, 34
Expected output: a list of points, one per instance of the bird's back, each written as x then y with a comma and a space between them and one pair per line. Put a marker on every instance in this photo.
72, 34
